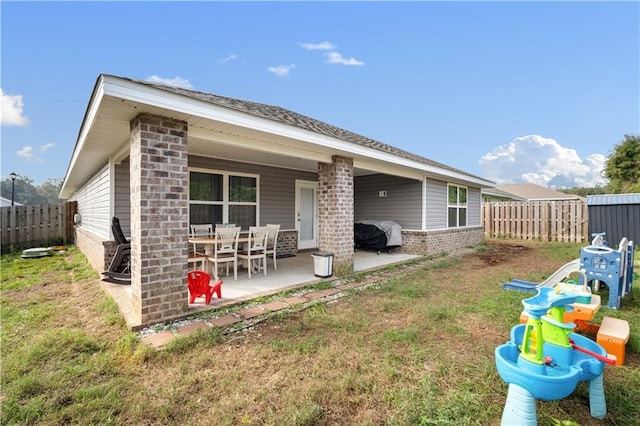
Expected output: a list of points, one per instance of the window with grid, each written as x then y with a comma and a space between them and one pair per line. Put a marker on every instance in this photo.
457, 206
222, 197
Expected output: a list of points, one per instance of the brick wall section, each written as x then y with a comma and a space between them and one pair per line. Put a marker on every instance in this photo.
335, 212
446, 240
287, 243
98, 251
109, 253
159, 218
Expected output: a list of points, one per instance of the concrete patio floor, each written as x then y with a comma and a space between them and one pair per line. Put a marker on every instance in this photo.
292, 272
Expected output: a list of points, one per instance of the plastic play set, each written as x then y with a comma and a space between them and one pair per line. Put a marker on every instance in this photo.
601, 264
545, 358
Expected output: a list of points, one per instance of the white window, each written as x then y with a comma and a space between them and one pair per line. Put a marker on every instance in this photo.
457, 206
223, 197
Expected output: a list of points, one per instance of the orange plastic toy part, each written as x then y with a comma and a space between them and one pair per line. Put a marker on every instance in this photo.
199, 285
613, 336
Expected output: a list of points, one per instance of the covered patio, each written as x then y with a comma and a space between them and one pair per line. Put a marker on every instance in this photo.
293, 272
163, 158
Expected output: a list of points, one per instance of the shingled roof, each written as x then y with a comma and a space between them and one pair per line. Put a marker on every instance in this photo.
285, 116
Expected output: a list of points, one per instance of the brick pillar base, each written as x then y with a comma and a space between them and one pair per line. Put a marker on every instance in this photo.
159, 218
335, 211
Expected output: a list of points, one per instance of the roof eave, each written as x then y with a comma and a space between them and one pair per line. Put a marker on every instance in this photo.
107, 85
89, 117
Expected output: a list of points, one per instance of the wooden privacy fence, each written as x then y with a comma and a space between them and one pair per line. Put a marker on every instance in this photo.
37, 225
564, 221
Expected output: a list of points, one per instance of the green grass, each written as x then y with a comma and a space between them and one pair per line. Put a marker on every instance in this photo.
416, 348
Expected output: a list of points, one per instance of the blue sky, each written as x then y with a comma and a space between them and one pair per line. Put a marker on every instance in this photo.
511, 91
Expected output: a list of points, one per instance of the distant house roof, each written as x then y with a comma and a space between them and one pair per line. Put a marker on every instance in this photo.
611, 199
533, 192
7, 203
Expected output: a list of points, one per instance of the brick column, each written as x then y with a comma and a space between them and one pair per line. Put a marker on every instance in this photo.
159, 218
335, 211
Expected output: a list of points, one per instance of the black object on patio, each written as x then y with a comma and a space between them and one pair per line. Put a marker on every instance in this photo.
119, 271
369, 237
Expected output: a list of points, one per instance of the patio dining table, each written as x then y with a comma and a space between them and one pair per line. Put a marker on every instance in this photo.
210, 241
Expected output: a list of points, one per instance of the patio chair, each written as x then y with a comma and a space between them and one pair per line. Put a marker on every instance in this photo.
255, 249
225, 250
196, 259
119, 271
272, 242
200, 230
205, 229
199, 283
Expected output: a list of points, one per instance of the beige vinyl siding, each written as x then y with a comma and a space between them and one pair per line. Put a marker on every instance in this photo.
277, 187
436, 204
93, 204
122, 207
402, 204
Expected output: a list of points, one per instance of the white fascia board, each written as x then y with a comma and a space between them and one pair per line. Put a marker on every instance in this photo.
552, 199
457, 177
388, 168
171, 101
87, 124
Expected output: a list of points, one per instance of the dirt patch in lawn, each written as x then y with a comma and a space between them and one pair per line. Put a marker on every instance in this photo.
72, 303
502, 252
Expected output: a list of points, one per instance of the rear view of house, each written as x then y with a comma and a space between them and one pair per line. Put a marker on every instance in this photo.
161, 158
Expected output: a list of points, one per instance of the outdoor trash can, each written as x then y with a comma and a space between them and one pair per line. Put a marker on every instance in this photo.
322, 264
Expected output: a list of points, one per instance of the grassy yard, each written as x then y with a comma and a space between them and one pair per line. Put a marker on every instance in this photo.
416, 350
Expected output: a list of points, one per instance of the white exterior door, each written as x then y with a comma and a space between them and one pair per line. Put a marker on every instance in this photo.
307, 214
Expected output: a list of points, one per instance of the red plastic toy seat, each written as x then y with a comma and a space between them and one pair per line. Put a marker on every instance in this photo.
199, 283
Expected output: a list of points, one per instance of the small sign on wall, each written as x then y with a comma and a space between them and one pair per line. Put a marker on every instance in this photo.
382, 194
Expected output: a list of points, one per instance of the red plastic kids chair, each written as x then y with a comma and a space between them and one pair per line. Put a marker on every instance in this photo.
199, 285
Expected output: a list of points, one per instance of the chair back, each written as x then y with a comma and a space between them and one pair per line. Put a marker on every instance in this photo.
226, 240
225, 225
202, 230
198, 281
118, 235
258, 236
273, 235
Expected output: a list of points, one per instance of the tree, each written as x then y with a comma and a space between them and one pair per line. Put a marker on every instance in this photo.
26, 193
584, 191
623, 166
50, 190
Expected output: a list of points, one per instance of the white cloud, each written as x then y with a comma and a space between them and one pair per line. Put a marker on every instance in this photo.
543, 161
281, 70
325, 45
337, 58
332, 56
45, 147
11, 112
175, 81
229, 58
30, 154
26, 152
